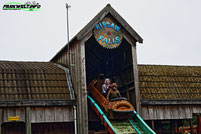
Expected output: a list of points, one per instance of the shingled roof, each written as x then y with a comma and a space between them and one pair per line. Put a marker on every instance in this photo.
32, 81
163, 82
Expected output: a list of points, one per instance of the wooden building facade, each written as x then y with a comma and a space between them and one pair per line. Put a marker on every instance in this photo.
35, 99
162, 95
169, 96
39, 98
86, 59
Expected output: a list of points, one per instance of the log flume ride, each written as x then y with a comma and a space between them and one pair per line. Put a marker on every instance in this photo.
117, 115
118, 108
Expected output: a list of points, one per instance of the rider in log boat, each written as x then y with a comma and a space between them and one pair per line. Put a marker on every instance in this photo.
105, 87
114, 92
117, 108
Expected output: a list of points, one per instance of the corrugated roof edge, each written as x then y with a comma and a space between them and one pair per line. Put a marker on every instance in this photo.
107, 9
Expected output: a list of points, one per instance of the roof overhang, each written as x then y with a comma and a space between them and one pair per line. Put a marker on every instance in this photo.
170, 102
35, 103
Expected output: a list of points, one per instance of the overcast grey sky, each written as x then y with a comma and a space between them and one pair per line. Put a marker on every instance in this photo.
171, 29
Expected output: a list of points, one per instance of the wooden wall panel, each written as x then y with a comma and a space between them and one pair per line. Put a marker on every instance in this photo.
41, 114
10, 112
78, 77
169, 112
75, 71
52, 114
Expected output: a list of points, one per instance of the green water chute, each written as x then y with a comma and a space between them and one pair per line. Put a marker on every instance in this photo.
102, 114
142, 124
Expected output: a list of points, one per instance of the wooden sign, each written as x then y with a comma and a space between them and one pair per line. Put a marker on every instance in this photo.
108, 34
13, 118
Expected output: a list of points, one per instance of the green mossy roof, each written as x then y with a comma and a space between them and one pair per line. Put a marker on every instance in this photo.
32, 81
163, 82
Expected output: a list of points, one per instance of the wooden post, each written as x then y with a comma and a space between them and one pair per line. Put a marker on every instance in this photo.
83, 92
28, 120
191, 125
1, 120
172, 127
152, 125
127, 94
136, 81
198, 124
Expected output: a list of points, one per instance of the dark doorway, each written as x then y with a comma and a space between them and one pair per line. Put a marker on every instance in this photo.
13, 128
53, 128
117, 64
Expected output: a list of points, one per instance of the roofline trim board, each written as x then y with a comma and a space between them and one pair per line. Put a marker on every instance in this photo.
23, 103
170, 102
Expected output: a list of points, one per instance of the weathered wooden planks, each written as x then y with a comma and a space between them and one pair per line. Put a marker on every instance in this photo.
76, 56
136, 81
52, 114
169, 112
40, 114
28, 120
12, 112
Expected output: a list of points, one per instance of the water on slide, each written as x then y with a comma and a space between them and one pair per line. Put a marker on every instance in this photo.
125, 127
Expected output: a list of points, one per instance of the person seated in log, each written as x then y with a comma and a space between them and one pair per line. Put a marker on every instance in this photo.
114, 92
105, 87
100, 82
110, 88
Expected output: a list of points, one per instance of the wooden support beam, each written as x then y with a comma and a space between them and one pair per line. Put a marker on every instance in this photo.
83, 126
30, 103
172, 127
152, 125
191, 125
127, 94
28, 120
198, 123
170, 102
84, 92
1, 120
136, 80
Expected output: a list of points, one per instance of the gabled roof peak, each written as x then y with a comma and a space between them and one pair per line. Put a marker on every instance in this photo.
108, 5
103, 13
108, 9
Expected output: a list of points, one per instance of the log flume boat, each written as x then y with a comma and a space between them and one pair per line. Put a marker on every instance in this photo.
118, 108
